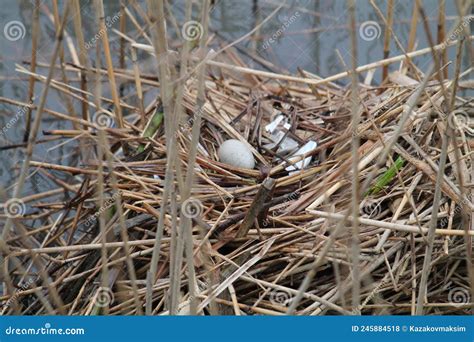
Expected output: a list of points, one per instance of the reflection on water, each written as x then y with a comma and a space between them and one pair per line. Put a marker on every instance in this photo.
307, 34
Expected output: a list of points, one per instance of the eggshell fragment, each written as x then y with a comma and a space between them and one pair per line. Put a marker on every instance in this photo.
236, 153
308, 147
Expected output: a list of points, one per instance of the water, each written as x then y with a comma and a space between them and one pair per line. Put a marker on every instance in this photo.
307, 34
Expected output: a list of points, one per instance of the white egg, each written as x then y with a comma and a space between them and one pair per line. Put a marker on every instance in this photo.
236, 153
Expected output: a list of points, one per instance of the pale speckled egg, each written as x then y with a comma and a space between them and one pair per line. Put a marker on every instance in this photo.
236, 153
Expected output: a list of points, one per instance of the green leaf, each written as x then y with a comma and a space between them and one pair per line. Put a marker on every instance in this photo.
386, 177
152, 127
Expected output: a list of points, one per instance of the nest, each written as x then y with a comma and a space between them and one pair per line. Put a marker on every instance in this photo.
376, 222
